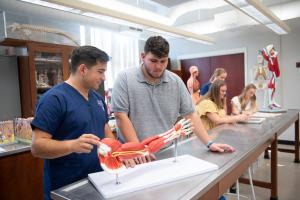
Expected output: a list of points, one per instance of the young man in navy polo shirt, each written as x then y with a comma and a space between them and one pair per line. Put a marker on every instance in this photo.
69, 121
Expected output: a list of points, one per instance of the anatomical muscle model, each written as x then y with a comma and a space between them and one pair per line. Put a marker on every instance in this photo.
270, 55
111, 152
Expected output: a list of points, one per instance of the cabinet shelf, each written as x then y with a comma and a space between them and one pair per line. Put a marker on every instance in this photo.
45, 60
42, 90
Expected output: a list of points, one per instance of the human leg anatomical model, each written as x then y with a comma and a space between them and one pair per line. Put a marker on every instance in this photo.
270, 55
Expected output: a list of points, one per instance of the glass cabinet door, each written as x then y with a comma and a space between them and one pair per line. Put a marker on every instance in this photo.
48, 71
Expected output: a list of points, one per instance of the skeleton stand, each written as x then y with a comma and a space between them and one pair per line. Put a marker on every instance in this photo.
117, 179
175, 150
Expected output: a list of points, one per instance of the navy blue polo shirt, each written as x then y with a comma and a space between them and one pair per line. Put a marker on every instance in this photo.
65, 114
204, 89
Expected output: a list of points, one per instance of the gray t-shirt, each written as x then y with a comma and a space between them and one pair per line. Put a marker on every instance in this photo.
152, 109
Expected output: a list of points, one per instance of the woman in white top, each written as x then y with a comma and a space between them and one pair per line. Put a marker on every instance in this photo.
245, 102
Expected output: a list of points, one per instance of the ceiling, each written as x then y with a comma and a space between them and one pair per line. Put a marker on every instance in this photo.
193, 15
205, 17
202, 17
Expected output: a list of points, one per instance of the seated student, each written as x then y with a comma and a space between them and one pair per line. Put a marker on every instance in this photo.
219, 74
211, 108
245, 102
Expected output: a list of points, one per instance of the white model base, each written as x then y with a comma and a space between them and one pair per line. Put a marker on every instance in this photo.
149, 174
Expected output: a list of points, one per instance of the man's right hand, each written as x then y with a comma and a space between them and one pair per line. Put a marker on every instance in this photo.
84, 144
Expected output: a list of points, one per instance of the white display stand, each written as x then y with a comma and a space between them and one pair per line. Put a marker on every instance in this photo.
265, 115
275, 110
149, 174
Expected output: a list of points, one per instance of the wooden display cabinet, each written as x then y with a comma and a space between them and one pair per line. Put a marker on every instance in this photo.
21, 177
46, 66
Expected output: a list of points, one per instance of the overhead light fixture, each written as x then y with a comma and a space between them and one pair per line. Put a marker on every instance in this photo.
261, 14
49, 5
93, 7
158, 31
195, 40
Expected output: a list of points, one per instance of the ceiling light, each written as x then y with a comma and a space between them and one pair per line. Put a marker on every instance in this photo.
276, 28
155, 30
198, 41
261, 14
251, 10
49, 5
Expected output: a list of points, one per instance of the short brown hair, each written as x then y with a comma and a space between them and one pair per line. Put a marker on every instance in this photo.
158, 46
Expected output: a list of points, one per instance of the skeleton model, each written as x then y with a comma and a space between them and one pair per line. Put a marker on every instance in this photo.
111, 152
26, 30
260, 73
270, 55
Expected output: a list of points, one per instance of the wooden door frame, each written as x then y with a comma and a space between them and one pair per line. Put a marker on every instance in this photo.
217, 53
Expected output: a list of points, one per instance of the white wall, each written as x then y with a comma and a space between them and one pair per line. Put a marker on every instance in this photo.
252, 40
290, 45
10, 106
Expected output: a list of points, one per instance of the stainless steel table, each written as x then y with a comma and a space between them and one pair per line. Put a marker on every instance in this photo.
15, 148
250, 140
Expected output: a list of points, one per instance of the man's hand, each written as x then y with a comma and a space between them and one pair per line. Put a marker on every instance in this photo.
84, 144
215, 147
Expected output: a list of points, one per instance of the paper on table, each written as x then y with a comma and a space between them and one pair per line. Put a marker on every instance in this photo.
149, 175
265, 115
253, 120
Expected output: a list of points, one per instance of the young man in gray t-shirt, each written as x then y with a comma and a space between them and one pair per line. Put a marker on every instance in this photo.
149, 99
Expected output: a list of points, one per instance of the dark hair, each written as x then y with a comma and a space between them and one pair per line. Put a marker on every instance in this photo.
158, 46
214, 93
87, 55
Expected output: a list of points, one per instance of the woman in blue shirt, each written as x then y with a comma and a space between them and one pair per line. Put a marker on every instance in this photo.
219, 74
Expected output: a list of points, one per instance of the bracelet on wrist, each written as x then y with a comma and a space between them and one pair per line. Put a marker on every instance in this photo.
209, 144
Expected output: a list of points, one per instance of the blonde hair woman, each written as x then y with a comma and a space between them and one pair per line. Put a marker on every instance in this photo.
211, 109
219, 74
245, 102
